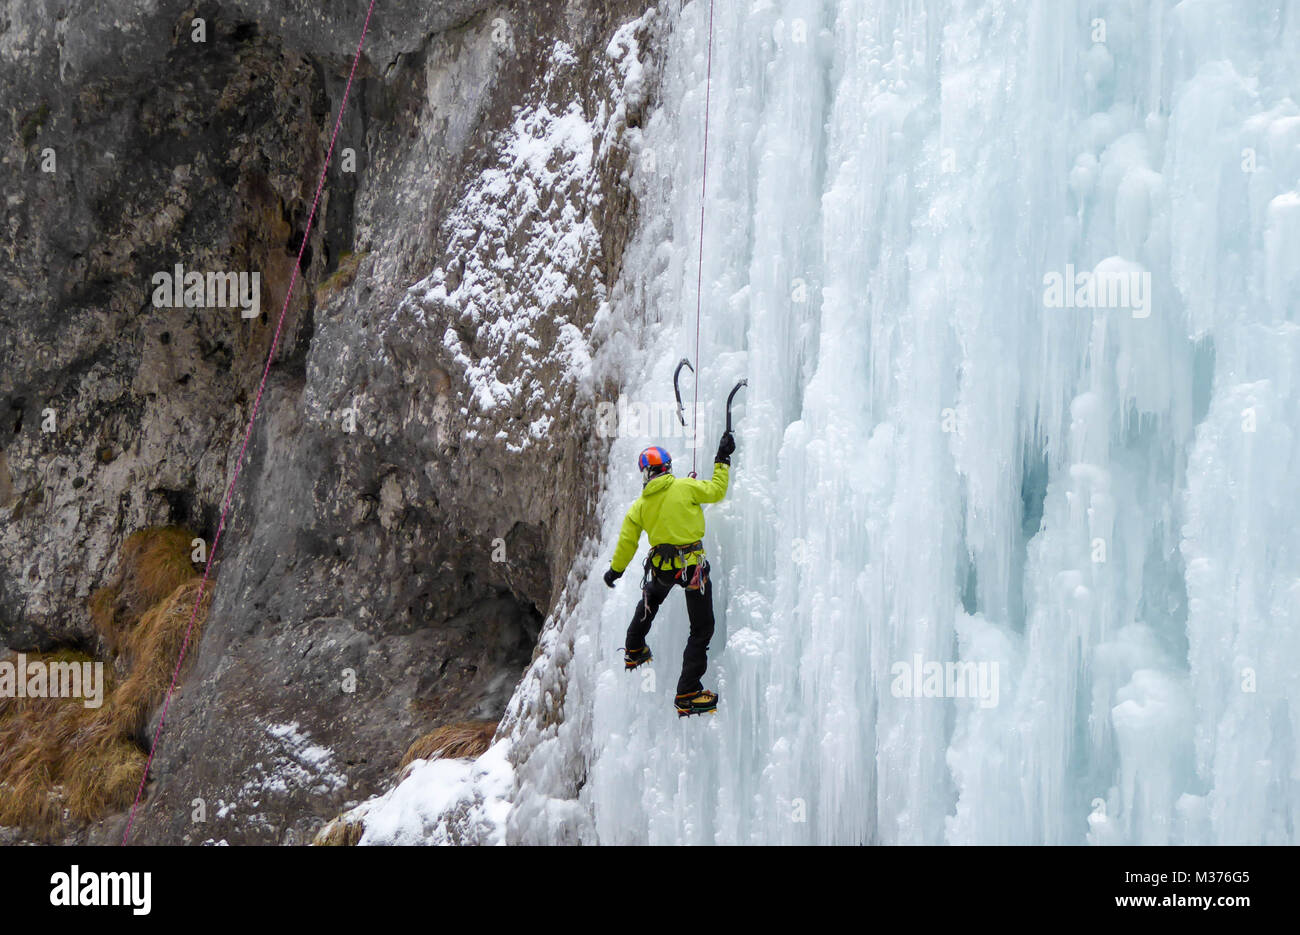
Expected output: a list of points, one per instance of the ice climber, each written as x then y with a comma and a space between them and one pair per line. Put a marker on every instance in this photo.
668, 512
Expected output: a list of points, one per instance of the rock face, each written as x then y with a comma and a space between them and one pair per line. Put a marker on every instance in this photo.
424, 464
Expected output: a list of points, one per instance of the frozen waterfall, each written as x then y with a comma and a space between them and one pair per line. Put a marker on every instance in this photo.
1010, 552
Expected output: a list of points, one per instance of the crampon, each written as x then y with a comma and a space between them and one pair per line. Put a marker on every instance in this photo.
636, 657
700, 702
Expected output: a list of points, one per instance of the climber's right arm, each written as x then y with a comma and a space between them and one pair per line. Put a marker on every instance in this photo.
628, 539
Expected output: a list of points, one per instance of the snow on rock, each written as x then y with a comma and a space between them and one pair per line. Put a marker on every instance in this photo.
290, 762
528, 247
439, 796
937, 464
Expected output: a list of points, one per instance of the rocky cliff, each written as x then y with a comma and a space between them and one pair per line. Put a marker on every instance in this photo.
424, 465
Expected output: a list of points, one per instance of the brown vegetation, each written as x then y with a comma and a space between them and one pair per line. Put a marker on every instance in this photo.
60, 760
339, 833
155, 562
460, 740
464, 739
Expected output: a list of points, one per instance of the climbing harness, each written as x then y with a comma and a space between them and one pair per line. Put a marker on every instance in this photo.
667, 555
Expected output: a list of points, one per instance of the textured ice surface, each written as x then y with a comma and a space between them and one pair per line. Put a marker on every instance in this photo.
1094, 498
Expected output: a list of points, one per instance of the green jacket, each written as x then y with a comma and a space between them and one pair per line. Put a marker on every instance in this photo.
668, 512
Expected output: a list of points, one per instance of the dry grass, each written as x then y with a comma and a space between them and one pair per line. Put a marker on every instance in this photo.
155, 562
53, 759
152, 648
60, 760
339, 833
465, 739
103, 778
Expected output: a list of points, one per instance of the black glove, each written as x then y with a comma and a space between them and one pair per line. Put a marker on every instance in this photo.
611, 576
725, 448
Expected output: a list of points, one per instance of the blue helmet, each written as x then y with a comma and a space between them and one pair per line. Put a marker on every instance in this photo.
654, 461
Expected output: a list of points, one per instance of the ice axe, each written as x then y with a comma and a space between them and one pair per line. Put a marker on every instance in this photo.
681, 414
732, 395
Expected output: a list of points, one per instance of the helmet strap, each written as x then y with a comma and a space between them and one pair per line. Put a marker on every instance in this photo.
654, 470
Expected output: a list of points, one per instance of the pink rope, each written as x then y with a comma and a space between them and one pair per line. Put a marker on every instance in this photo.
257, 401
699, 278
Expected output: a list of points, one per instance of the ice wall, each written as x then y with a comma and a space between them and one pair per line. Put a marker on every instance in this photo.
1090, 507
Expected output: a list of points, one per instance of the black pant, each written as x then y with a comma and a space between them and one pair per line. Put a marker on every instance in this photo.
699, 607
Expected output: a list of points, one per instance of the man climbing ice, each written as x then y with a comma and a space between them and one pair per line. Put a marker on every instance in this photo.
669, 513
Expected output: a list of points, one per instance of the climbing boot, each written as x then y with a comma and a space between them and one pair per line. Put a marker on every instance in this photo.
700, 702
636, 657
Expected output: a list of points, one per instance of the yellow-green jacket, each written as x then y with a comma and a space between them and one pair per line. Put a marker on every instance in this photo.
668, 511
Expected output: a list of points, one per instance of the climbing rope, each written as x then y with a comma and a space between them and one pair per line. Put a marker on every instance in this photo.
699, 278
248, 433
